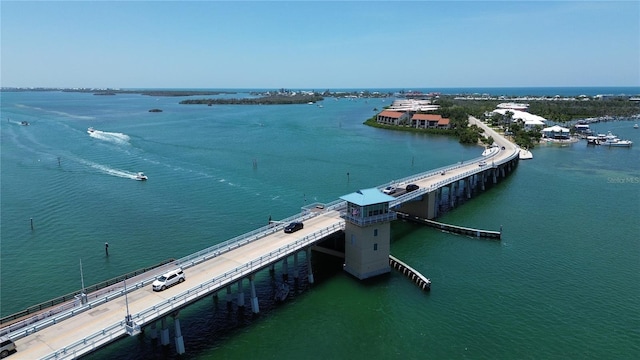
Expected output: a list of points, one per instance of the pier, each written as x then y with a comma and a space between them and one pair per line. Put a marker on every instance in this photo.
99, 318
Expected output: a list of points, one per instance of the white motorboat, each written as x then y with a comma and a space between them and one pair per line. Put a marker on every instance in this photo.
91, 130
612, 140
525, 154
593, 140
141, 176
635, 126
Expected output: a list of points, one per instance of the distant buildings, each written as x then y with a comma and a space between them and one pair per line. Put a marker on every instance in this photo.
556, 133
513, 106
414, 120
412, 113
528, 120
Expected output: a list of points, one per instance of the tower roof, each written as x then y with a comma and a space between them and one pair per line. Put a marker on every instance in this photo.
367, 197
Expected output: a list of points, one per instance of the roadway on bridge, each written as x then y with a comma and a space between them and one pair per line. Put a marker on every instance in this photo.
76, 328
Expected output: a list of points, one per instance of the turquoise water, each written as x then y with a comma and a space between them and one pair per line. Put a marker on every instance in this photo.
563, 282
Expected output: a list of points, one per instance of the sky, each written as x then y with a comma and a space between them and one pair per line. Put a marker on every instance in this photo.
319, 44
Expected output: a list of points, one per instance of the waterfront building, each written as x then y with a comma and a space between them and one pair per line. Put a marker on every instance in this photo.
429, 121
556, 132
388, 117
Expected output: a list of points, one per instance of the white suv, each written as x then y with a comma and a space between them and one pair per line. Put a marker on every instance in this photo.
7, 346
169, 279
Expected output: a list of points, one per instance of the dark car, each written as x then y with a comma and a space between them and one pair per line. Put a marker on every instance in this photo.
293, 227
412, 187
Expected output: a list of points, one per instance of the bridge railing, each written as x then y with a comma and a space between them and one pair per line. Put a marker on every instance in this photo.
405, 197
413, 178
155, 312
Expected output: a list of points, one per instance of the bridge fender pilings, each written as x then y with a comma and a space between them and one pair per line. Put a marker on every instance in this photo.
453, 228
412, 274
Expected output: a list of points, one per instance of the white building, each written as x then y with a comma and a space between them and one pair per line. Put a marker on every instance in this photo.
529, 120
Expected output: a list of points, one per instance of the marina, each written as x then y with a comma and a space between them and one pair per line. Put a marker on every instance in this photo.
608, 140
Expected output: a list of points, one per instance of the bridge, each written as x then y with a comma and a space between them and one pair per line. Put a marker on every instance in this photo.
97, 319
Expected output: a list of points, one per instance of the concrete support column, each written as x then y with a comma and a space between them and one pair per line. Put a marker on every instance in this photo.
295, 266
164, 332
502, 174
310, 271
179, 339
272, 269
228, 294
254, 298
153, 332
467, 187
495, 177
452, 194
240, 294
285, 269
483, 178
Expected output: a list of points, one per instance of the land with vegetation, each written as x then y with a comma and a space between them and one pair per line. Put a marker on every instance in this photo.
285, 96
563, 111
107, 91
262, 100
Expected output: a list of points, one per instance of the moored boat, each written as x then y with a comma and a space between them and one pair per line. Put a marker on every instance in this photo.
593, 140
612, 140
525, 154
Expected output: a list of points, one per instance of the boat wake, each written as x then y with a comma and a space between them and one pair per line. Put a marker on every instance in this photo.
111, 171
61, 113
112, 137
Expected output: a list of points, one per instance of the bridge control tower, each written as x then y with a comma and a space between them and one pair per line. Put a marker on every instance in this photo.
367, 233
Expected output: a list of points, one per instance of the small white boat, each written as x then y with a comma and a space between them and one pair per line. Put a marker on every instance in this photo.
635, 126
141, 176
593, 140
91, 130
612, 140
24, 123
525, 154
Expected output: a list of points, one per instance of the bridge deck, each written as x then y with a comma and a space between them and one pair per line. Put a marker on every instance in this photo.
76, 328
